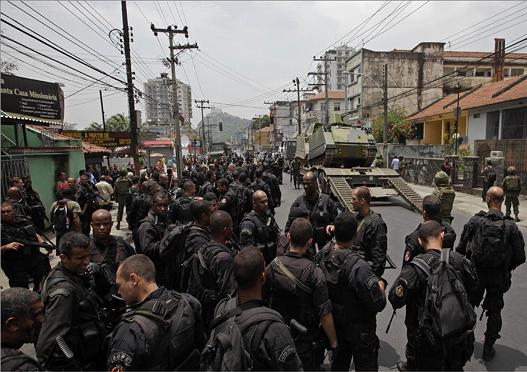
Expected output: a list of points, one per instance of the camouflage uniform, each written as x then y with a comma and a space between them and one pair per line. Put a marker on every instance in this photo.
512, 186
446, 195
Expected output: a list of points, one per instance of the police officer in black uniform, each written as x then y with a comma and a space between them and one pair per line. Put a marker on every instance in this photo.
141, 205
297, 289
410, 287
162, 329
431, 212
15, 197
180, 208
86, 197
73, 311
371, 240
322, 210
107, 252
21, 256
259, 228
274, 350
357, 295
151, 230
227, 201
212, 278
494, 272
38, 211
22, 317
274, 185
260, 184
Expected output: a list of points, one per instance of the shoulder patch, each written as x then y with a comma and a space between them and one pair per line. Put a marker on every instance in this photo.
59, 292
120, 358
288, 350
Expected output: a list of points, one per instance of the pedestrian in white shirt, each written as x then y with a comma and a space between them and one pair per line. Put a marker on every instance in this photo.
105, 193
395, 164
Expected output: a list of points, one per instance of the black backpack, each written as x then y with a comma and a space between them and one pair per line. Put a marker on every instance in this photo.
226, 350
331, 267
172, 252
488, 247
446, 312
168, 323
61, 220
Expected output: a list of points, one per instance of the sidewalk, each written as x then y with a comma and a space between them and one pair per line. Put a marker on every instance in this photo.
470, 204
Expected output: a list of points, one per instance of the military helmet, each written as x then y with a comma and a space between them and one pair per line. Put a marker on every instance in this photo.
441, 178
511, 170
123, 173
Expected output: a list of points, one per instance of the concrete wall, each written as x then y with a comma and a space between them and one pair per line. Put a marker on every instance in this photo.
412, 151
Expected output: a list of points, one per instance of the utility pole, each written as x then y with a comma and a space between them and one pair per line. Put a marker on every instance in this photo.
385, 105
130, 88
171, 31
296, 82
200, 104
325, 59
103, 123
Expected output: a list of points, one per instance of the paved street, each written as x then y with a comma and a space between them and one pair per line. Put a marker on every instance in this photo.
511, 350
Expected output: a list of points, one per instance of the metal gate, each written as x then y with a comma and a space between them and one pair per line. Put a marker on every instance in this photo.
12, 166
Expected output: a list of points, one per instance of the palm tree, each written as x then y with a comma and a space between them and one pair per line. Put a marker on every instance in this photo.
115, 123
95, 126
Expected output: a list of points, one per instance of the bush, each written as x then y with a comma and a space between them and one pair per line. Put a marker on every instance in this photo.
399, 129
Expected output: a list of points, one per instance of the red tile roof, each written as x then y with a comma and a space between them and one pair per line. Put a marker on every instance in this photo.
49, 133
89, 148
488, 94
332, 94
158, 143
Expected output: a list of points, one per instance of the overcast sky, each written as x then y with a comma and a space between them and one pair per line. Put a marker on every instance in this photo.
248, 51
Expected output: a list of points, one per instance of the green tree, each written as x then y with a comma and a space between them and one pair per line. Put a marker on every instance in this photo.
261, 122
115, 123
399, 128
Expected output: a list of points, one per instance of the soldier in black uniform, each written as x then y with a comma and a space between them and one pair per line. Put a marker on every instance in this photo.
22, 317
297, 289
274, 185
86, 197
495, 246
162, 329
260, 184
410, 287
198, 236
431, 212
208, 186
322, 210
371, 240
275, 349
150, 232
259, 228
141, 205
357, 295
107, 252
14, 196
32, 199
282, 245
227, 201
72, 311
212, 277
180, 208
21, 256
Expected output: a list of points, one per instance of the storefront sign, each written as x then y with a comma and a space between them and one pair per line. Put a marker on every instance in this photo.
34, 99
101, 138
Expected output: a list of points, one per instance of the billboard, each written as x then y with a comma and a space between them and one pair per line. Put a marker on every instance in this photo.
33, 99
100, 138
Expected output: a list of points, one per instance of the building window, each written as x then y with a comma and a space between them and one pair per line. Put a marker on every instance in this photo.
476, 116
516, 71
418, 131
493, 125
514, 125
485, 72
336, 106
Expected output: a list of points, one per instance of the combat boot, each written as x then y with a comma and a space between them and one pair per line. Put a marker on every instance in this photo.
488, 351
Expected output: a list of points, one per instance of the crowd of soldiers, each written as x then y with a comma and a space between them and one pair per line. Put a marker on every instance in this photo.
212, 283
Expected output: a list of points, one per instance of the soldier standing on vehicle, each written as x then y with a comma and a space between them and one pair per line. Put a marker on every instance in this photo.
162, 329
371, 240
446, 194
22, 317
259, 228
322, 210
495, 246
512, 186
297, 289
442, 342
357, 295
73, 311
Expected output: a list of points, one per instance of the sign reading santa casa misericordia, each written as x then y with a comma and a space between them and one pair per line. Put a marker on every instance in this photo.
30, 99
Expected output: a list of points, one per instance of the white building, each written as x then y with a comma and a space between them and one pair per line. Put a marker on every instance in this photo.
158, 101
336, 80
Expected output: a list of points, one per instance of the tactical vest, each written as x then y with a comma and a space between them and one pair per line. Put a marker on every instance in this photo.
266, 232
86, 336
446, 195
513, 183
